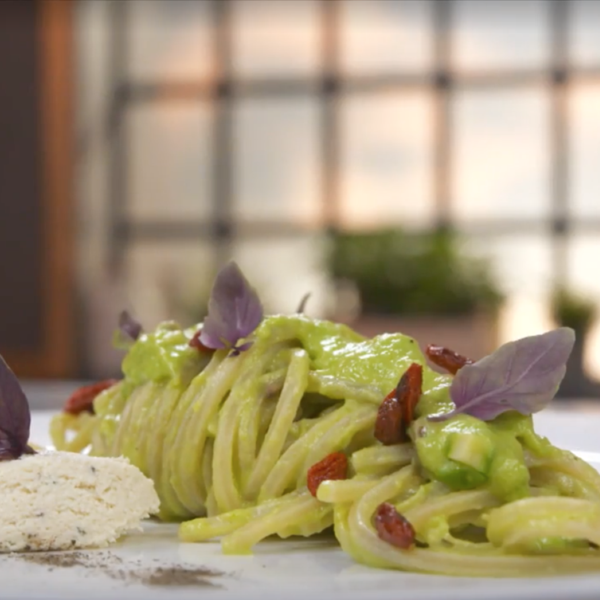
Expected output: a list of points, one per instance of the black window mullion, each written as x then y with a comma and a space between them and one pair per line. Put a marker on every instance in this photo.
330, 117
442, 102
192, 91
559, 152
222, 217
118, 142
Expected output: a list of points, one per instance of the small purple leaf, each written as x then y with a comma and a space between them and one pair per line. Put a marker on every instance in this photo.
523, 375
234, 310
127, 333
129, 326
15, 418
196, 343
303, 302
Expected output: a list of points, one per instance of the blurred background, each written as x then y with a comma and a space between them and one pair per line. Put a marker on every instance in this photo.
422, 166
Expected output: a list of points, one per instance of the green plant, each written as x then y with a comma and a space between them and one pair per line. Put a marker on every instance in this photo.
573, 310
185, 302
397, 272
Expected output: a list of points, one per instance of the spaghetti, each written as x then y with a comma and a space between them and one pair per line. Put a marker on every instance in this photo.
229, 438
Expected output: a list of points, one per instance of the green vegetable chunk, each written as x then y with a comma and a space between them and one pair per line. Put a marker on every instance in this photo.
465, 452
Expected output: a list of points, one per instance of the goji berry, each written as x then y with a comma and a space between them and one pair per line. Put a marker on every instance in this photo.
388, 426
333, 466
446, 358
82, 399
392, 527
409, 392
396, 412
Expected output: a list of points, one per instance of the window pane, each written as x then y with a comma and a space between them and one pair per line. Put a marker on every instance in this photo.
283, 270
520, 263
386, 36
501, 156
170, 165
387, 159
585, 149
585, 41
277, 163
583, 257
169, 39
276, 38
167, 281
522, 267
91, 76
501, 35
524, 315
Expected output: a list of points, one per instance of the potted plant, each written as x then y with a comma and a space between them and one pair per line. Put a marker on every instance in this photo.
570, 309
421, 284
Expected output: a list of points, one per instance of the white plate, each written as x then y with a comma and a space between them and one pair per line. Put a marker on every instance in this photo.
286, 570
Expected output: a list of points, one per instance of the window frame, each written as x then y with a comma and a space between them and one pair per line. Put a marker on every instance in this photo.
331, 86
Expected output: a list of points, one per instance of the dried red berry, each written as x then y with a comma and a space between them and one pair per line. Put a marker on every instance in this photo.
392, 527
409, 392
446, 358
333, 466
82, 399
396, 411
388, 426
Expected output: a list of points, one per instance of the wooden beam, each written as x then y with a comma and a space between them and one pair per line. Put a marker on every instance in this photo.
55, 357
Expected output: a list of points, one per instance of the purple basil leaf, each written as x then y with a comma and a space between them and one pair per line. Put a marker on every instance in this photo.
196, 343
234, 310
15, 418
129, 327
303, 302
523, 375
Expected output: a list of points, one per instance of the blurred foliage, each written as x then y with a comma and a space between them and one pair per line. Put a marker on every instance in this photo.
402, 273
570, 309
185, 303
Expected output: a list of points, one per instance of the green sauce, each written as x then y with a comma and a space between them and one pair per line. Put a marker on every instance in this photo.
163, 356
464, 452
339, 353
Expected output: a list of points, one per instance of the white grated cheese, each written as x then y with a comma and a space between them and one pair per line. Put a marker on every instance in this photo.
63, 500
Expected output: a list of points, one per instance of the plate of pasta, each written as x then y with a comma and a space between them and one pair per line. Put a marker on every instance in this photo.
307, 458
